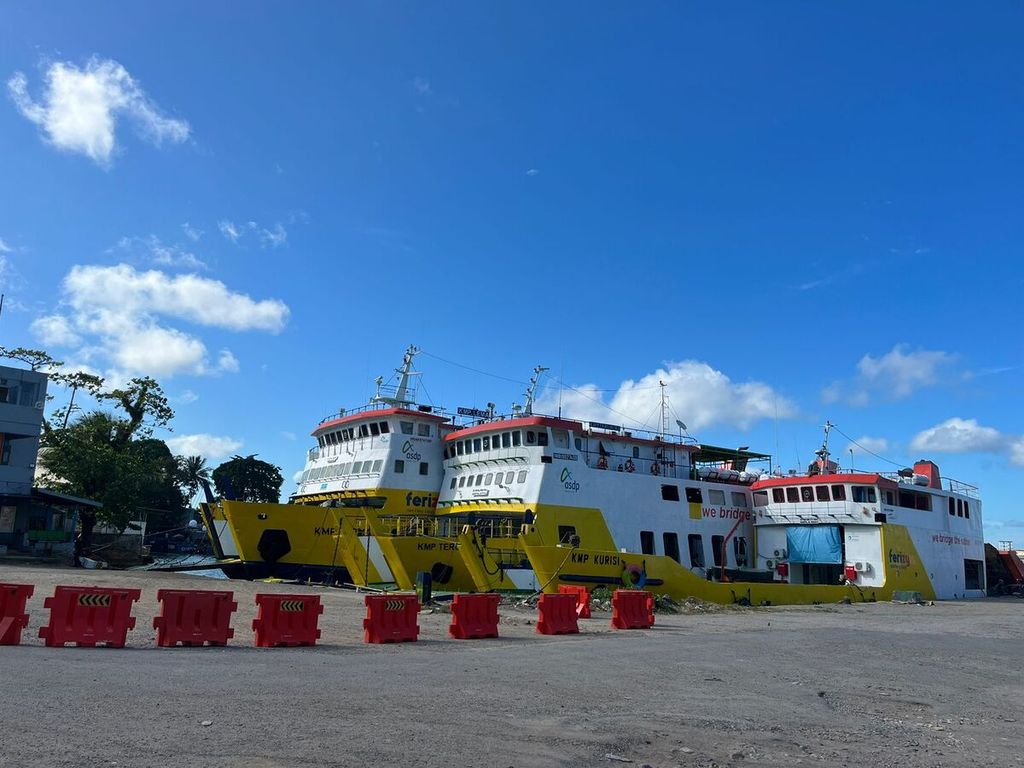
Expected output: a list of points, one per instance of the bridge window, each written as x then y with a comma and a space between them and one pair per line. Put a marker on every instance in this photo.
357, 467
517, 438
508, 477
479, 479
424, 468
670, 493
476, 445
838, 493
694, 496
806, 493
716, 497
647, 542
967, 508
952, 506
378, 464
778, 495
695, 543
522, 476
716, 549
821, 493
506, 439
671, 542
489, 478
760, 498
890, 498
739, 499
959, 508
399, 466
384, 428
458, 448
406, 427
636, 451
374, 429
863, 494
792, 495
462, 481
579, 444
487, 443
542, 437
423, 430
454, 481
364, 430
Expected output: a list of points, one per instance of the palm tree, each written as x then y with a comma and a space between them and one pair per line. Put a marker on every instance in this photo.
193, 472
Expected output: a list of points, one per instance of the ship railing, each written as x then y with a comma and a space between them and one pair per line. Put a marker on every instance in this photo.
432, 410
948, 483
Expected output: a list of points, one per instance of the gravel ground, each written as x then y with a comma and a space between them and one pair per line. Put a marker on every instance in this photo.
860, 685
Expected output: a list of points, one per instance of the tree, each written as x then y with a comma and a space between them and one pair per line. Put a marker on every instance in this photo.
111, 457
193, 471
248, 479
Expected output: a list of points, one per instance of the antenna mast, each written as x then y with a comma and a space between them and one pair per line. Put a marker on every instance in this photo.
531, 391
402, 396
664, 410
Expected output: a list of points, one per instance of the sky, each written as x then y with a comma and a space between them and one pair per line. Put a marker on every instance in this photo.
790, 212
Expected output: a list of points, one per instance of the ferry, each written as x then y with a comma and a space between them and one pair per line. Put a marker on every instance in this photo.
821, 536
369, 464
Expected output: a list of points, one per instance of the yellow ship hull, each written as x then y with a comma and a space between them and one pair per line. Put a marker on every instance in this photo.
557, 564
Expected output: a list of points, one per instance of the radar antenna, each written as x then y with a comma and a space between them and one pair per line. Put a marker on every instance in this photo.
531, 391
404, 395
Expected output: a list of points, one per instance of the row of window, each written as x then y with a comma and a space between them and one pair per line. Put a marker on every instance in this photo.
371, 429
696, 496
959, 507
497, 478
511, 439
695, 545
860, 494
340, 470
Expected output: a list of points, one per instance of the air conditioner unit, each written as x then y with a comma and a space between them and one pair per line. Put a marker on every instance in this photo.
862, 567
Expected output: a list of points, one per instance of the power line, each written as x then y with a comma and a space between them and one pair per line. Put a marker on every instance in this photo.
866, 450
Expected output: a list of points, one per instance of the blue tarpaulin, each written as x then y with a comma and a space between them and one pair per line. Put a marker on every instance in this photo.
814, 544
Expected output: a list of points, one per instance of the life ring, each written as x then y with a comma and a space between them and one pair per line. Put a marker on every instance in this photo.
634, 577
630, 466
602, 463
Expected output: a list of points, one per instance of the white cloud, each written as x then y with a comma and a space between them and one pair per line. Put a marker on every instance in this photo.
191, 232
958, 435
80, 108
698, 395
119, 315
422, 86
54, 331
187, 397
158, 252
4, 247
274, 236
210, 447
533, 172
1017, 452
896, 374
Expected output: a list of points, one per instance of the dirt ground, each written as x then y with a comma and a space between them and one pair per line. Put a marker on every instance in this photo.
837, 685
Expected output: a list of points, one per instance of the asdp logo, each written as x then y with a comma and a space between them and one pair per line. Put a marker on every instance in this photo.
567, 482
410, 454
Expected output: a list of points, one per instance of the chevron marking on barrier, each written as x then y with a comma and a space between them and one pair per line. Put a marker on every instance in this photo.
394, 605
292, 606
94, 600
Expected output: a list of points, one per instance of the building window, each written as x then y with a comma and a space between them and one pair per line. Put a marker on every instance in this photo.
647, 542
399, 466
671, 542
838, 493
670, 493
792, 495
778, 495
406, 427
424, 468
695, 543
716, 549
694, 496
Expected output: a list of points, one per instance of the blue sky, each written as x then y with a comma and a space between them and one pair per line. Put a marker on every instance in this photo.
791, 212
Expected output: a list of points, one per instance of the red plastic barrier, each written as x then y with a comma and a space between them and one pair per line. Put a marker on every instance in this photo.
13, 618
287, 620
474, 616
89, 616
557, 615
582, 599
391, 619
632, 609
194, 617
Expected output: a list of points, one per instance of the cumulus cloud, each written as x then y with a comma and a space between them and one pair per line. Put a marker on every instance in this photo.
895, 375
80, 108
210, 447
699, 395
873, 444
4, 247
273, 236
120, 315
958, 435
533, 172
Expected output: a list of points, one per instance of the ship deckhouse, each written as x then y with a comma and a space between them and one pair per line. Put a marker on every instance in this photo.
825, 527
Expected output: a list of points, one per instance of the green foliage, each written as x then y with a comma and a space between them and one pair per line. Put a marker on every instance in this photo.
193, 471
247, 478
